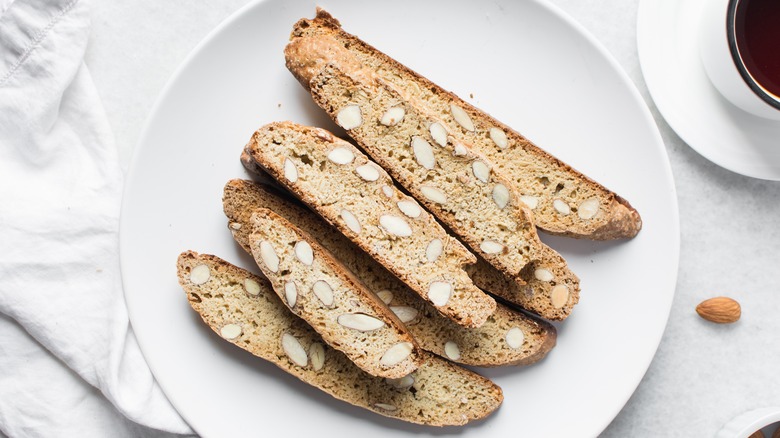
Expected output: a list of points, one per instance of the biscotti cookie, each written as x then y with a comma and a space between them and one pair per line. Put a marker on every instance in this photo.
319, 289
241, 308
358, 198
506, 338
457, 186
563, 200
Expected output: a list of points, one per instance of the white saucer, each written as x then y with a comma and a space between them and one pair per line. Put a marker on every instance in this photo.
667, 40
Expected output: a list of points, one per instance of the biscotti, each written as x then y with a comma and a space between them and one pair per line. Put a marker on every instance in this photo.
358, 198
241, 308
563, 200
506, 338
457, 186
317, 287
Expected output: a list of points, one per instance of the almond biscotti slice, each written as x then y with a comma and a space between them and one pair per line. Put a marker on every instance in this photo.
358, 198
506, 338
459, 187
563, 200
318, 288
242, 308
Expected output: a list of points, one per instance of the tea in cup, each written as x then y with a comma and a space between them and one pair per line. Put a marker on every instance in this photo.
740, 49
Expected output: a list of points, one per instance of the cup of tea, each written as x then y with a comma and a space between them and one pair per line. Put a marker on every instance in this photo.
739, 43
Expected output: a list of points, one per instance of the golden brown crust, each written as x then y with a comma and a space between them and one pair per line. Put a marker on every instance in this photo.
624, 222
320, 41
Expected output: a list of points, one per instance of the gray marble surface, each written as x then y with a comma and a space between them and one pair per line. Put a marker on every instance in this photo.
703, 374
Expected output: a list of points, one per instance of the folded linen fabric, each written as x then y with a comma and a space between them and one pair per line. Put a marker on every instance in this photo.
60, 194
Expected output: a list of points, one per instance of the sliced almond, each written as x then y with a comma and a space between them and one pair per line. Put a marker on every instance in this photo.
452, 350
433, 194
235, 226
531, 201
559, 296
385, 295
542, 274
434, 250
588, 208
349, 117
481, 171
368, 172
459, 150
351, 221
423, 153
439, 292
385, 407
500, 196
294, 350
200, 274
317, 355
360, 322
268, 255
323, 291
462, 117
393, 116
290, 171
491, 247
395, 225
252, 287
291, 293
323, 135
230, 331
514, 338
438, 133
304, 252
405, 313
388, 191
409, 208
499, 137
401, 383
561, 207
396, 354
341, 156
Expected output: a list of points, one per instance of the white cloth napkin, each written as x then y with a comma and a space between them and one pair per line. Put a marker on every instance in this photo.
69, 362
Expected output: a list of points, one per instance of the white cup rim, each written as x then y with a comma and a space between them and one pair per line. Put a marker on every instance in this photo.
761, 92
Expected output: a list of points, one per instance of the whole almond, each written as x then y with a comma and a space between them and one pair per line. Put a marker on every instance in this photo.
757, 434
721, 310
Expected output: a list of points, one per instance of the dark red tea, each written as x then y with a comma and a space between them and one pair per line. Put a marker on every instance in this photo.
757, 33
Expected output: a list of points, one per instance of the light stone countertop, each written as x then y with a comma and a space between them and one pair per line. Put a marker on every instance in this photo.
703, 374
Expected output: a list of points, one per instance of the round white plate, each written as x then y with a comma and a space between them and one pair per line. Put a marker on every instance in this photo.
667, 40
524, 62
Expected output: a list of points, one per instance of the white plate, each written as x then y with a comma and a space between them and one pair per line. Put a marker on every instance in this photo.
526, 63
667, 40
